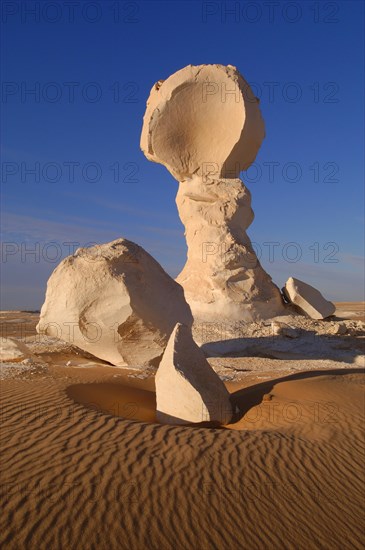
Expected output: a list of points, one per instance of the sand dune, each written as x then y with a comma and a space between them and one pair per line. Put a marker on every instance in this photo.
73, 476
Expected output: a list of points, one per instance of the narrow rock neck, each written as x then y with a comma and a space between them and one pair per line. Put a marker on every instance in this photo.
216, 215
222, 275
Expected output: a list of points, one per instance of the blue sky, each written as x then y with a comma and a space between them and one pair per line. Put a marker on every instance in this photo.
72, 169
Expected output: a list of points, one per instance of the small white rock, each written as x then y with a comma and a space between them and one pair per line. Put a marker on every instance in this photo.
308, 299
13, 350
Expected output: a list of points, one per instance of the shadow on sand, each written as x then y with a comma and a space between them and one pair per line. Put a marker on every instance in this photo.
139, 405
309, 345
250, 397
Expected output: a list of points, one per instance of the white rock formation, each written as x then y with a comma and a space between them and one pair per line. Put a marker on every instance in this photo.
114, 301
12, 350
308, 299
204, 124
187, 388
222, 277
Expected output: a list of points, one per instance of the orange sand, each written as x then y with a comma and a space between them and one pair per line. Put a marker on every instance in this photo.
83, 465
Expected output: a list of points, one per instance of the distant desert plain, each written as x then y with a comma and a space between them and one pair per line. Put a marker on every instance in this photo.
85, 464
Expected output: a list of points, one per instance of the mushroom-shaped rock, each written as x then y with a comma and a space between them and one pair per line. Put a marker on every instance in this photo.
203, 119
204, 125
114, 301
12, 350
308, 299
187, 388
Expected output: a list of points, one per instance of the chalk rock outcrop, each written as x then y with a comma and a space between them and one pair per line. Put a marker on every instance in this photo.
114, 301
12, 350
187, 388
204, 124
308, 299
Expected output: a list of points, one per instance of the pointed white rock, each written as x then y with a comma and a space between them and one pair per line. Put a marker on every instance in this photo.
187, 388
308, 299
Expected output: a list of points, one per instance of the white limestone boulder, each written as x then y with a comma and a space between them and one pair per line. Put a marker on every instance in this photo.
308, 299
114, 301
187, 388
12, 350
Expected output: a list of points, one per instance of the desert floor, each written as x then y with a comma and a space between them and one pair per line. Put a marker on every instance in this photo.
85, 465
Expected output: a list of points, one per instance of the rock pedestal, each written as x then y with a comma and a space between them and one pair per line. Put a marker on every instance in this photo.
222, 278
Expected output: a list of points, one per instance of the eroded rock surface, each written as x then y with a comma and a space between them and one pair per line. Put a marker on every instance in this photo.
203, 117
222, 277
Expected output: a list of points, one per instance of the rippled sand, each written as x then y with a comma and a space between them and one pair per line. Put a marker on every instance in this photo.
84, 465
